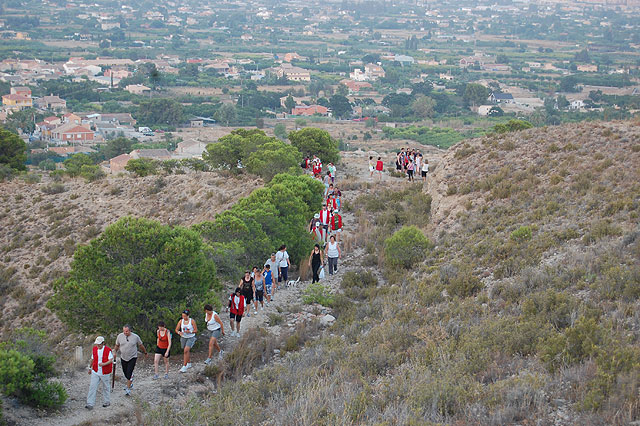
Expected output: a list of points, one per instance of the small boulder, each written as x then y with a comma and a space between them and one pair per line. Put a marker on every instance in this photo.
327, 320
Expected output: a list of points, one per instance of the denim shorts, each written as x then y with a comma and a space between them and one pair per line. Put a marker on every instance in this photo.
213, 333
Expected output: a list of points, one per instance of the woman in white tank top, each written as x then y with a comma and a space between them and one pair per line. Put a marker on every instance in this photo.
333, 254
214, 330
187, 330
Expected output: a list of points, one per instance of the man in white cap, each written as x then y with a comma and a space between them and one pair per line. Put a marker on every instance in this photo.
315, 228
100, 370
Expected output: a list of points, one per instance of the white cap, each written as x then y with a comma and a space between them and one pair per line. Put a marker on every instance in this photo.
99, 340
316, 216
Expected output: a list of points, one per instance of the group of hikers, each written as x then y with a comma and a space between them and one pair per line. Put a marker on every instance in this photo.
257, 287
410, 162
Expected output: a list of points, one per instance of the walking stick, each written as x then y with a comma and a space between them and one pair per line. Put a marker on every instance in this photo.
113, 374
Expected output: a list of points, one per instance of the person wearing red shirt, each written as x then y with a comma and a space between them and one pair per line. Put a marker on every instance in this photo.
336, 224
100, 369
379, 168
236, 310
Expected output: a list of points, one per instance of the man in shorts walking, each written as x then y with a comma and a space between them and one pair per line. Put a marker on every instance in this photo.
128, 343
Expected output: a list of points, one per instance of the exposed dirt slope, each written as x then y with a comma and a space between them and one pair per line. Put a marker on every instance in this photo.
40, 230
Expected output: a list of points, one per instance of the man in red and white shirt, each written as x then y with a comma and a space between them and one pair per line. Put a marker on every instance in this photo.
100, 369
336, 224
325, 219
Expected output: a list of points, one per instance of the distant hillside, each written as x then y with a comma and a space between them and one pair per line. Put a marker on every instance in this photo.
41, 228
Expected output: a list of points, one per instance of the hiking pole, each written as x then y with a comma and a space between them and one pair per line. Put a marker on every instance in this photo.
113, 373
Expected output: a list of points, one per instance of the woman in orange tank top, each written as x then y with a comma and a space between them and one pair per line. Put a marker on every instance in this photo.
163, 347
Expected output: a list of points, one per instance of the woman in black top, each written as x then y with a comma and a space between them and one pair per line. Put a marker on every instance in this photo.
248, 290
315, 262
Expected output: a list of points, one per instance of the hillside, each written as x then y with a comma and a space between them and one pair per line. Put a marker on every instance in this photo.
524, 309
41, 229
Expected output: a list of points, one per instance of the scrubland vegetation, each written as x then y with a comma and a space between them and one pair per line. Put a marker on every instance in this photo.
523, 307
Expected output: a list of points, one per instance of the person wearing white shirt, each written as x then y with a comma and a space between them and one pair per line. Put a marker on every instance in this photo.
100, 369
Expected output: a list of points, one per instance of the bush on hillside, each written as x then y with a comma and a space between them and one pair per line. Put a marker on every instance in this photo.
25, 367
512, 126
317, 293
142, 166
232, 151
312, 141
73, 165
406, 247
139, 272
272, 158
92, 173
13, 151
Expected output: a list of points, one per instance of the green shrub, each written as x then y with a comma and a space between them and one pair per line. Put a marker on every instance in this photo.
54, 188
92, 173
317, 293
162, 270
459, 280
73, 165
142, 166
6, 173
16, 371
406, 247
312, 141
272, 158
359, 285
521, 234
512, 126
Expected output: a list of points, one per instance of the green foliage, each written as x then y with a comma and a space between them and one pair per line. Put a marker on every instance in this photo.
92, 173
142, 166
25, 366
47, 164
435, 136
276, 214
358, 285
512, 126
16, 371
280, 130
226, 114
312, 141
6, 172
460, 281
272, 158
74, 164
317, 293
406, 247
232, 150
160, 112
13, 150
138, 271
521, 234
475, 94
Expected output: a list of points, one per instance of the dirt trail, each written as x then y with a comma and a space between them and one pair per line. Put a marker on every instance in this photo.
179, 387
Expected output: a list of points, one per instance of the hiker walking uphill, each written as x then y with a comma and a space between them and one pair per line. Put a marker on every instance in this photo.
258, 286
187, 329
236, 310
163, 349
315, 262
273, 267
128, 344
215, 329
248, 290
100, 369
282, 257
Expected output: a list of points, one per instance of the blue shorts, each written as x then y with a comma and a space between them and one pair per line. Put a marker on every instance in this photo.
267, 287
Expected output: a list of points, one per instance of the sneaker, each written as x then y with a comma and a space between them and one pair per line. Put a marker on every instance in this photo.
220, 354
248, 314
89, 407
155, 377
207, 361
255, 312
166, 376
127, 392
188, 365
183, 369
106, 404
